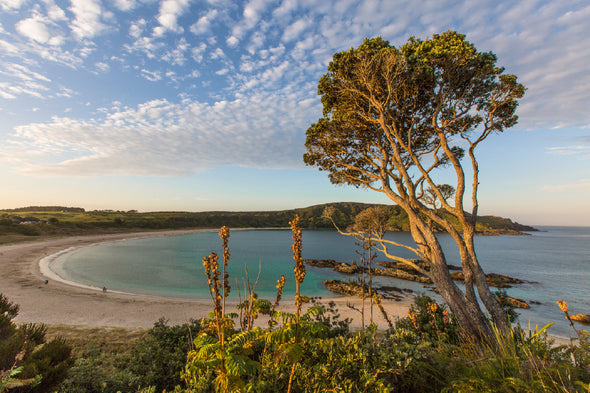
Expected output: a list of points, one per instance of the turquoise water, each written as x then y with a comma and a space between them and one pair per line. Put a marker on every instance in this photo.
557, 259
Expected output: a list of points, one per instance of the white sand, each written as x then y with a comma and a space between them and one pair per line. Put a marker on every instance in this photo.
59, 302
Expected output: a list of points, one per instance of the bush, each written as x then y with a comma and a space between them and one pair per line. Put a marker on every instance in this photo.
27, 362
431, 321
155, 361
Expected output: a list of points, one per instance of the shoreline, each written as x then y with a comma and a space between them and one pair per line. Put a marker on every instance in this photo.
25, 268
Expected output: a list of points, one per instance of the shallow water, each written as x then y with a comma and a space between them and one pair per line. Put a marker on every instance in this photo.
556, 259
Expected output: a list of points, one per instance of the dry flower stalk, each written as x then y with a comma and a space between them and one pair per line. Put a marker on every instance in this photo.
211, 265
299, 265
224, 235
280, 287
563, 306
377, 301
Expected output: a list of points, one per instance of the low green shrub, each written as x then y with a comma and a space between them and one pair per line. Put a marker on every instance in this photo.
28, 363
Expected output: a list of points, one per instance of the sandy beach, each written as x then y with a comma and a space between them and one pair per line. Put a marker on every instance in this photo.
22, 281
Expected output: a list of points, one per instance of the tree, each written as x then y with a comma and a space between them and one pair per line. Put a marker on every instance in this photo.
393, 120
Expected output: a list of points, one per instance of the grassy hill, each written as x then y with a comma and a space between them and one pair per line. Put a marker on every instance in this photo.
27, 222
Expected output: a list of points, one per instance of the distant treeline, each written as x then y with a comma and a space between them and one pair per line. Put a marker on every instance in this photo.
56, 220
47, 209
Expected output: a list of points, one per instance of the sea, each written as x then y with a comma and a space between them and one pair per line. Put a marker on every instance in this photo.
554, 262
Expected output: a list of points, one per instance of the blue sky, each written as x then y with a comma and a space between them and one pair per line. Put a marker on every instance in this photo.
203, 105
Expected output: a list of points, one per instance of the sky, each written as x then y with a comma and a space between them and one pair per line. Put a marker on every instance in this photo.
200, 105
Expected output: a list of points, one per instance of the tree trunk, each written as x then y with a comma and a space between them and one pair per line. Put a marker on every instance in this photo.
466, 308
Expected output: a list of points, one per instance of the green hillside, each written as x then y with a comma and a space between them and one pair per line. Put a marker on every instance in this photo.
24, 223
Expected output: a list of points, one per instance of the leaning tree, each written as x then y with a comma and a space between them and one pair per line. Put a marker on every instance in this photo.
399, 121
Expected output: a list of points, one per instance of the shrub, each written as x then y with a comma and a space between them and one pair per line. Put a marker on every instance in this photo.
431, 321
27, 362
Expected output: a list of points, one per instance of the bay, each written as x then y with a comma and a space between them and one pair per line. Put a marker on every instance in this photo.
555, 261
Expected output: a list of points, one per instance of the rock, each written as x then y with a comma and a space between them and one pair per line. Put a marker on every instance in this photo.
390, 289
502, 278
514, 302
402, 274
320, 262
355, 289
581, 318
402, 266
493, 279
344, 288
348, 269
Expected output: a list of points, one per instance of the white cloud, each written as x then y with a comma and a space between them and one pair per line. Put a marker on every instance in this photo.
218, 54
88, 18
167, 139
136, 28
22, 72
582, 150
152, 76
34, 28
294, 30
147, 45
251, 16
582, 185
102, 67
4, 88
9, 5
54, 12
232, 41
203, 25
125, 5
24, 81
198, 51
170, 10
176, 56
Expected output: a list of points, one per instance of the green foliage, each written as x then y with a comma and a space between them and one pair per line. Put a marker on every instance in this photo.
506, 305
153, 361
159, 357
432, 322
64, 221
27, 362
526, 362
329, 316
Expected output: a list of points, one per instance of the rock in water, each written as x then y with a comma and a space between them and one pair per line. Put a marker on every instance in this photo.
584, 319
514, 302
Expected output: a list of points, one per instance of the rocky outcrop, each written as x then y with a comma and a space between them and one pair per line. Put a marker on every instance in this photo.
356, 289
405, 272
493, 279
340, 267
401, 274
321, 262
513, 302
581, 318
345, 288
402, 266
392, 269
